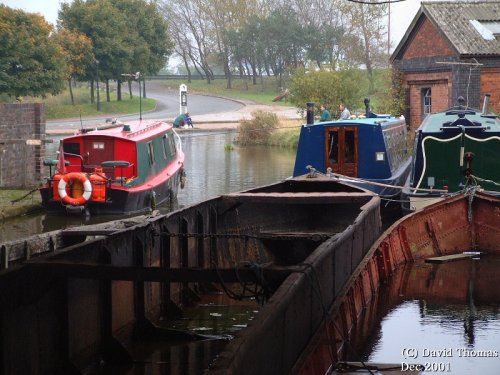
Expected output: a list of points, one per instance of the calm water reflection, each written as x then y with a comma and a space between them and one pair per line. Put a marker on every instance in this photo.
211, 171
444, 316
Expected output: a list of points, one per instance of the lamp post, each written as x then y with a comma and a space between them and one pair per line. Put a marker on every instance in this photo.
138, 78
97, 86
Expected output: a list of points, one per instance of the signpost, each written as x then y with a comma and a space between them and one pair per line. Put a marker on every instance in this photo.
182, 99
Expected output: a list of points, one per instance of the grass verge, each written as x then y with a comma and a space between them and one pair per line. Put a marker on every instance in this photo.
262, 93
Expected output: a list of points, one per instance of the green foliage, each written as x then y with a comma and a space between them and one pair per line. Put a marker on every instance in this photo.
31, 61
77, 50
60, 106
258, 129
263, 93
285, 138
326, 87
398, 93
127, 35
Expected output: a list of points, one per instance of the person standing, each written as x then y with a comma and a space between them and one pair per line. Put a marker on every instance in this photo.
344, 112
325, 114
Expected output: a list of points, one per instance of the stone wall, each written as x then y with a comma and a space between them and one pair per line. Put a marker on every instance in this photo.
20, 162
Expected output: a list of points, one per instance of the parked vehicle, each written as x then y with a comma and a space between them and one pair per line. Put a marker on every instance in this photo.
453, 149
117, 168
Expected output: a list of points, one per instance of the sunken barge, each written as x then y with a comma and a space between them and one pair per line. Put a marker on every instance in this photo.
72, 299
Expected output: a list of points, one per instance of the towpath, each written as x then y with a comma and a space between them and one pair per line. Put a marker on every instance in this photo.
208, 112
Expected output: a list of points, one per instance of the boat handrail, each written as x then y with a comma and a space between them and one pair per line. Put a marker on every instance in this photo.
145, 129
177, 140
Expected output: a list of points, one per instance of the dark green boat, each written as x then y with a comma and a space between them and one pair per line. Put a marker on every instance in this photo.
454, 150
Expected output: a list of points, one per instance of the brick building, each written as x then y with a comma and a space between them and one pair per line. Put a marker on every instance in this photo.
22, 131
451, 49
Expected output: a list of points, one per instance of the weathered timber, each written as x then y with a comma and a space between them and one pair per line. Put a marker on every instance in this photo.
450, 258
92, 294
89, 232
172, 275
305, 198
357, 368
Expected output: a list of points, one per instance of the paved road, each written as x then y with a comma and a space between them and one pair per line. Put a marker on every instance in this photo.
167, 108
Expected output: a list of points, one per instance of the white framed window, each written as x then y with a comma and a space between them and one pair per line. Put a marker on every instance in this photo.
427, 101
98, 145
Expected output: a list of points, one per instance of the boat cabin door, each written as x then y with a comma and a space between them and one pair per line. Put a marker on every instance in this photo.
341, 150
97, 150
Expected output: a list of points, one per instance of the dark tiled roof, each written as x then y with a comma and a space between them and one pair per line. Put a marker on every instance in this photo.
453, 18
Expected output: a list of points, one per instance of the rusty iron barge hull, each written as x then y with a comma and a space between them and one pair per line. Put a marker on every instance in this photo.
440, 232
71, 298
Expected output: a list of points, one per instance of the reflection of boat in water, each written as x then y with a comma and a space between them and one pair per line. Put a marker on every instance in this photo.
447, 308
453, 149
438, 233
368, 152
117, 168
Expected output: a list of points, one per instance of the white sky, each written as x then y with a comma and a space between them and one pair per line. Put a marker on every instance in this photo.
402, 13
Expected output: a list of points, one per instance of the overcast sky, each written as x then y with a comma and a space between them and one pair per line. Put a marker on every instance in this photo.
402, 13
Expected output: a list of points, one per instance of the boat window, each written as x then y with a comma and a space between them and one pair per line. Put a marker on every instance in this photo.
151, 153
164, 148
349, 147
333, 153
72, 148
171, 144
427, 102
98, 145
168, 146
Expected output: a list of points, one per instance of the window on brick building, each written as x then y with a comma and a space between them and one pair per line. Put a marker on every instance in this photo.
426, 101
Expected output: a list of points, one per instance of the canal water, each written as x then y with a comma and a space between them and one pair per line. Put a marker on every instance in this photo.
444, 317
214, 166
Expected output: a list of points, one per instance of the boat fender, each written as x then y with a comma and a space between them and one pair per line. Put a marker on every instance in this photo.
183, 179
87, 188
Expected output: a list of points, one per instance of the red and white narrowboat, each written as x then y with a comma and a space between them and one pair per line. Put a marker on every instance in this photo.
117, 168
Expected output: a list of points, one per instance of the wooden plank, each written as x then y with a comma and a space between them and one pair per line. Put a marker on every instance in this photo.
359, 368
451, 258
134, 273
300, 197
314, 236
89, 232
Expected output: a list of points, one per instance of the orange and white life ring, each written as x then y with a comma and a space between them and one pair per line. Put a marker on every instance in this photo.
75, 176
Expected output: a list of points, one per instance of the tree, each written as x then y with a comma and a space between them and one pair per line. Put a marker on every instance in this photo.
368, 45
325, 87
78, 53
152, 44
107, 28
31, 61
192, 32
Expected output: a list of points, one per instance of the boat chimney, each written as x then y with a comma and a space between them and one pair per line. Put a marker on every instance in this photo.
310, 113
367, 107
486, 104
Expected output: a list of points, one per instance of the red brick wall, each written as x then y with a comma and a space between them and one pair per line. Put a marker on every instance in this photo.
440, 85
427, 42
490, 84
20, 163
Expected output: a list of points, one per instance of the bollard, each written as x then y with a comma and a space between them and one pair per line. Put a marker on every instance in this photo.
310, 113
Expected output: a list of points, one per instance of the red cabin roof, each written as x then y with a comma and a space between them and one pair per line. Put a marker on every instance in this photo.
135, 131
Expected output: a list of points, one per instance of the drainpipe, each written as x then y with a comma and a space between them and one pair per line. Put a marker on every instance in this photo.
486, 104
367, 107
310, 113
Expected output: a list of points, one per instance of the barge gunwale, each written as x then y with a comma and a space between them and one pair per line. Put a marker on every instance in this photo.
454, 225
90, 312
